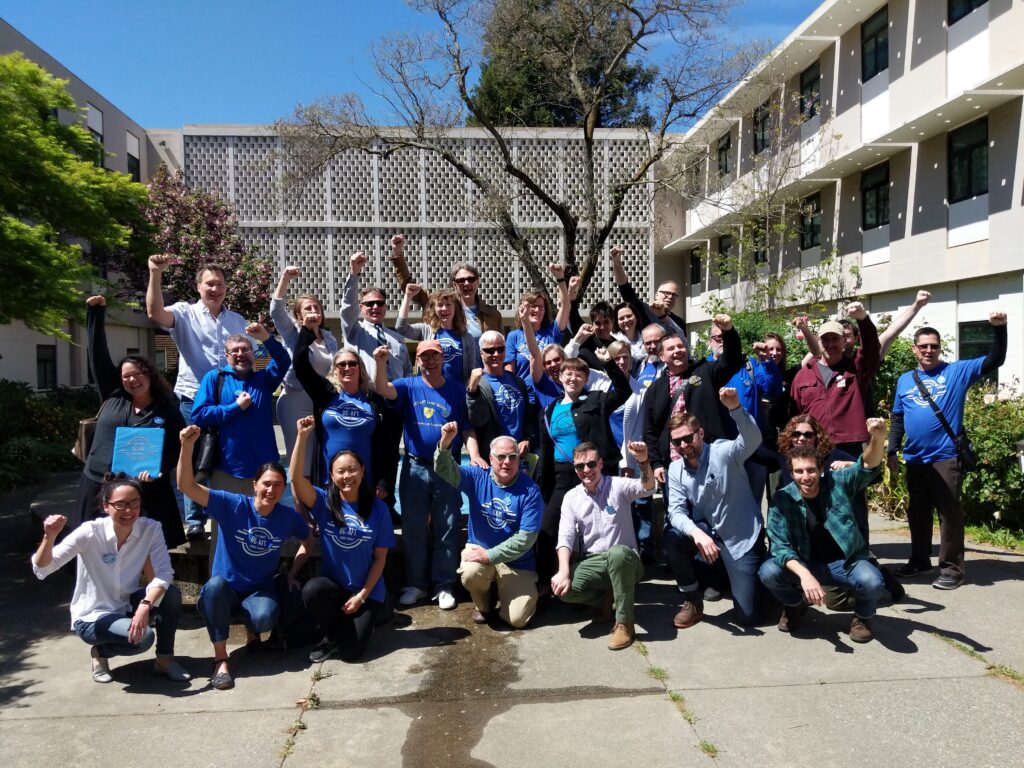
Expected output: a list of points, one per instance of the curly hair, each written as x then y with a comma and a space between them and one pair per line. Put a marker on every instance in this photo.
458, 313
822, 443
157, 383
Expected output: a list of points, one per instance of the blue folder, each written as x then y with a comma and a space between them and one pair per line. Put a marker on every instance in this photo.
137, 450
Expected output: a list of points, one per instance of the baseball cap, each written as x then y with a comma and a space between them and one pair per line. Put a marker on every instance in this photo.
831, 326
429, 346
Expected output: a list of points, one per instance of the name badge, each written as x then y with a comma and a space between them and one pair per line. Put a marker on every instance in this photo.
609, 509
110, 558
841, 383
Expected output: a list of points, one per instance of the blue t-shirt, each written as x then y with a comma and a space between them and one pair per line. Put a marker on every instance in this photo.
349, 422
545, 391
509, 403
926, 440
496, 513
425, 410
348, 551
248, 544
563, 431
517, 352
472, 321
451, 348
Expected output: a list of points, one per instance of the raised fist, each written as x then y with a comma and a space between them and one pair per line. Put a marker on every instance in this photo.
411, 289
997, 318
53, 525
96, 301
876, 427
723, 321
474, 379
616, 253
398, 243
291, 272
380, 354
448, 433
356, 262
856, 310
729, 397
257, 331
189, 434
923, 297
557, 271
158, 262
638, 450
305, 425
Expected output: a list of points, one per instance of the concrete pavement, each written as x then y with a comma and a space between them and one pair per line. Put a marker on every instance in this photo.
441, 691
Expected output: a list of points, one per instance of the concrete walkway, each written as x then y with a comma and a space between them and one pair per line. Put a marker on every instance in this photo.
441, 691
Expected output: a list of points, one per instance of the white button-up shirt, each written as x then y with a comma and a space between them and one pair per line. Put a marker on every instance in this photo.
200, 339
107, 576
602, 520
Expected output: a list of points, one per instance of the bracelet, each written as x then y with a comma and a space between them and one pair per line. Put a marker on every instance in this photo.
561, 280
146, 601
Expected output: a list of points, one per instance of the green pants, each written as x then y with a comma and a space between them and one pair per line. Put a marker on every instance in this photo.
619, 569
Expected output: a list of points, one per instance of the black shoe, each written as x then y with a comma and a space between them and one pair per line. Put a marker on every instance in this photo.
911, 568
948, 581
792, 617
892, 584
323, 650
196, 532
712, 595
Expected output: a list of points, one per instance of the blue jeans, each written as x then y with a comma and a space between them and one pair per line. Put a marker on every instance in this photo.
426, 497
192, 513
863, 578
109, 633
218, 602
693, 573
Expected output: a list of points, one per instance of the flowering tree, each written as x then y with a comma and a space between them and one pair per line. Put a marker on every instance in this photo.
198, 228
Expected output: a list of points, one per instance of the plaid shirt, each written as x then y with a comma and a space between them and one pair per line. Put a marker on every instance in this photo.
787, 516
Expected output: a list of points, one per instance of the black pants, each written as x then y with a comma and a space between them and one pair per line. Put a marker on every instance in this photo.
936, 486
547, 561
325, 601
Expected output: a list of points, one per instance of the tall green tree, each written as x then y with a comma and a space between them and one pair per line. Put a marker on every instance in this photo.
52, 197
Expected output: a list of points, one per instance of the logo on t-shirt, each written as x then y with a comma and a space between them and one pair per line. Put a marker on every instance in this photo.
936, 388
498, 513
351, 536
348, 415
450, 347
258, 541
428, 412
508, 398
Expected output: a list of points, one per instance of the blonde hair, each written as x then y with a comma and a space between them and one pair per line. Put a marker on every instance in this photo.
364, 377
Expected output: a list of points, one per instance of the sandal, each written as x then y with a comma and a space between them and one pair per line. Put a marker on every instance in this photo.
100, 667
222, 681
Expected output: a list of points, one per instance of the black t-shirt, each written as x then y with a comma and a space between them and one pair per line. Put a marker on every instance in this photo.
823, 547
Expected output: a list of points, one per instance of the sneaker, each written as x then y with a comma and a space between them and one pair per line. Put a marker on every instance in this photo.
621, 637
792, 617
712, 595
411, 596
196, 532
100, 667
445, 600
948, 581
323, 650
689, 614
173, 670
911, 568
860, 630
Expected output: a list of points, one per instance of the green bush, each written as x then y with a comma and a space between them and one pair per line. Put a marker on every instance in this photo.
898, 360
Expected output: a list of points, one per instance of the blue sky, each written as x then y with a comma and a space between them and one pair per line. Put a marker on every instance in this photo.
232, 61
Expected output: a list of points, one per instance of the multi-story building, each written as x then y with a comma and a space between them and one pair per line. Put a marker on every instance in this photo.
891, 136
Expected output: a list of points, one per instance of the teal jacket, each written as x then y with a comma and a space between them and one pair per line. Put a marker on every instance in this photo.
787, 516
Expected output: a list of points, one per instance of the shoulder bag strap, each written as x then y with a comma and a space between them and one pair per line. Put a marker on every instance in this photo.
938, 411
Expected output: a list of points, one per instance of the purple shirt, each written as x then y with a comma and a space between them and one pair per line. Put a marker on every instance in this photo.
603, 520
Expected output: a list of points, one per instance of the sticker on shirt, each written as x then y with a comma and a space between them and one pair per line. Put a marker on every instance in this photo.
498, 513
351, 536
508, 398
348, 415
430, 407
609, 508
258, 541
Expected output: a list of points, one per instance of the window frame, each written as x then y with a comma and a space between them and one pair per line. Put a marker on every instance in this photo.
722, 150
960, 9
879, 39
761, 123
972, 348
810, 224
874, 193
970, 157
726, 247
696, 269
46, 366
810, 91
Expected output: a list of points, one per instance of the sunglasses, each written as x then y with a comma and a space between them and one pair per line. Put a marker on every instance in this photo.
928, 346
678, 441
805, 435
121, 506
493, 350
585, 465
346, 364
465, 280
505, 456
373, 303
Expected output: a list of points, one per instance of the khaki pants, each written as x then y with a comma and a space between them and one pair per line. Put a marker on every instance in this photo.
517, 590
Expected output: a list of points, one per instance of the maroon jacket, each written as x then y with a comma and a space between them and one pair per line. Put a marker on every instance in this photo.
840, 405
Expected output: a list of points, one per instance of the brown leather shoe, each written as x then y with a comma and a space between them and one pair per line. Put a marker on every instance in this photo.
606, 611
689, 614
860, 630
792, 617
622, 636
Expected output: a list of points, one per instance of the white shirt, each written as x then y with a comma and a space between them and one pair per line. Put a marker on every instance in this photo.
107, 577
602, 520
200, 339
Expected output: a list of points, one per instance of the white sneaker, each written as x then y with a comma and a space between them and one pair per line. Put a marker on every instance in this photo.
411, 596
445, 600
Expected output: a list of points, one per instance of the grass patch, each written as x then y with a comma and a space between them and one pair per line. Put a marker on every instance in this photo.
708, 748
658, 673
680, 701
1010, 673
319, 675
286, 750
997, 670
1006, 538
640, 648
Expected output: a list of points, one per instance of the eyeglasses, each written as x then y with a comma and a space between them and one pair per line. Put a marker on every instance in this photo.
346, 364
668, 293
239, 352
133, 375
505, 456
678, 441
122, 506
928, 346
585, 465
372, 304
805, 435
493, 350
716, 337
466, 280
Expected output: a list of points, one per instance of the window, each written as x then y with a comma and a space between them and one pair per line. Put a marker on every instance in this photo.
94, 122
810, 91
160, 360
134, 166
759, 244
762, 126
696, 279
724, 145
968, 161
810, 222
874, 45
725, 256
874, 190
975, 340
960, 8
46, 366
693, 177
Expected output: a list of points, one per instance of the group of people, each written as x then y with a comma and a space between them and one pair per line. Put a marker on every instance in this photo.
570, 425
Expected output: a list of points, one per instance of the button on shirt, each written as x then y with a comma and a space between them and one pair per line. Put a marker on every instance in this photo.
107, 576
603, 520
200, 338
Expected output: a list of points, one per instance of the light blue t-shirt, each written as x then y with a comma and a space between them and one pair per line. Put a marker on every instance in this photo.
563, 431
473, 321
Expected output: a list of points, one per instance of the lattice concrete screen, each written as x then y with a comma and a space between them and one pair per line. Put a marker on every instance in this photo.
360, 201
